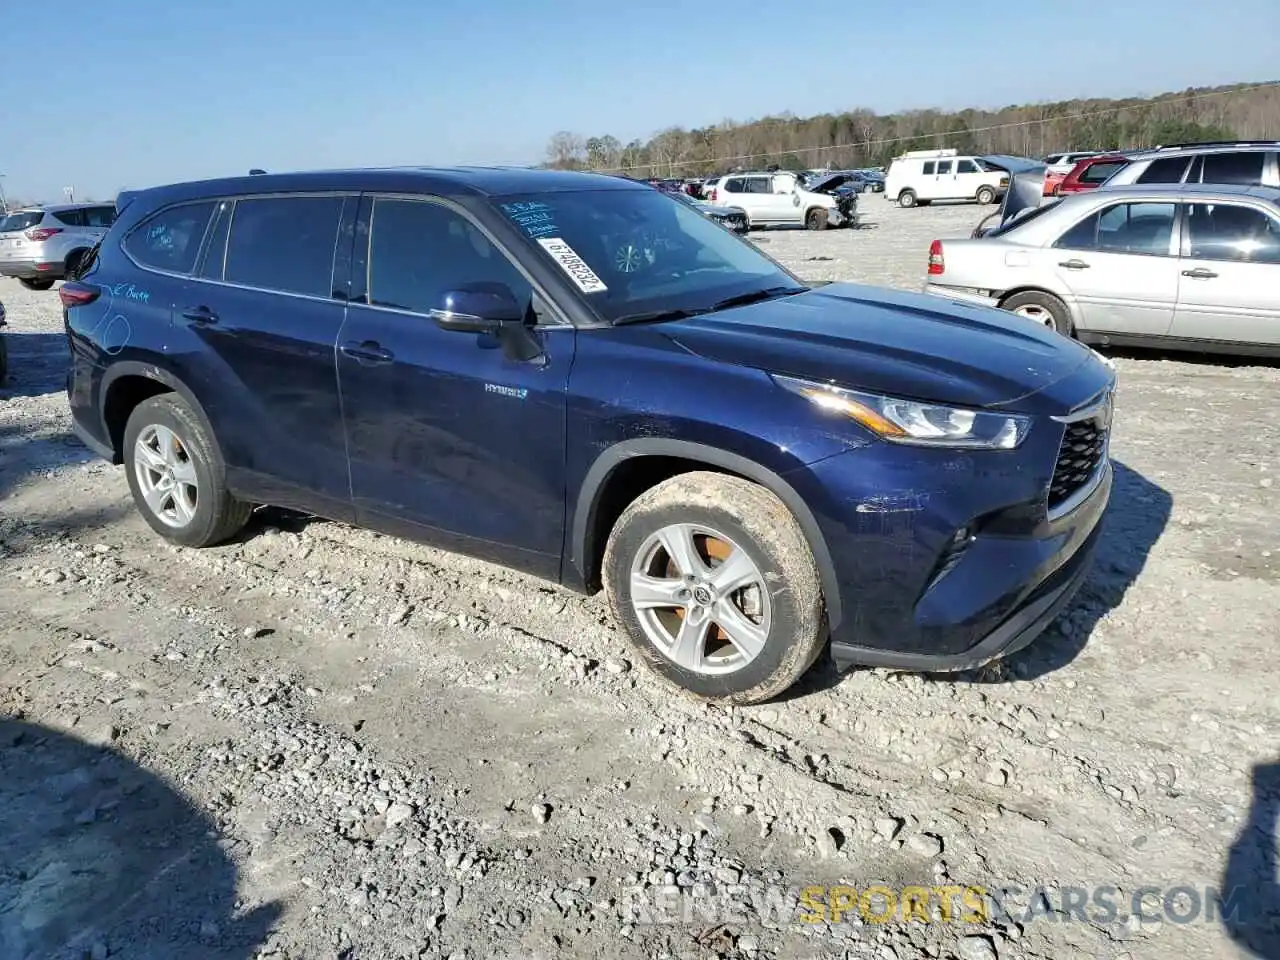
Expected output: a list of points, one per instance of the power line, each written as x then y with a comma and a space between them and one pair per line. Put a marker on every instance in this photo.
1015, 124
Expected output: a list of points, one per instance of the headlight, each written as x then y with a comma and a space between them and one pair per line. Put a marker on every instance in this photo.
914, 422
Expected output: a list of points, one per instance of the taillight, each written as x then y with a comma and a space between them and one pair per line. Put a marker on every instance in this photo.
711, 197
42, 233
936, 264
76, 294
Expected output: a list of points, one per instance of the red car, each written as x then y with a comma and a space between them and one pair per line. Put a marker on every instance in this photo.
1090, 172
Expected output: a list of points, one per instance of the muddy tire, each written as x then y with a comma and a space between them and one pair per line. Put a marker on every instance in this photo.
986, 195
36, 283
907, 198
716, 588
177, 476
1042, 308
815, 219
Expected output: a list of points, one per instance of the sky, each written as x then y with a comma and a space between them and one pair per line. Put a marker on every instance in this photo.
130, 93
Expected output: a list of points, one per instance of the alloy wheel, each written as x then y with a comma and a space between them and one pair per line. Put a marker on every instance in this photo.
166, 475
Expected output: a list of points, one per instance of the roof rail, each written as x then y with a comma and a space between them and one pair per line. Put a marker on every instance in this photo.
1217, 143
256, 172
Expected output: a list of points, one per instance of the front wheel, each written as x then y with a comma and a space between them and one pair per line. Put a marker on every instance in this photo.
176, 474
712, 580
986, 195
1042, 308
816, 219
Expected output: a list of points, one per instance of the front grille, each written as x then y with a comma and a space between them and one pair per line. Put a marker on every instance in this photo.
1084, 445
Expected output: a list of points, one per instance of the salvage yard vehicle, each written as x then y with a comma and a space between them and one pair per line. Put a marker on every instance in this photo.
41, 245
4, 349
919, 177
1190, 267
730, 217
572, 375
781, 199
1248, 163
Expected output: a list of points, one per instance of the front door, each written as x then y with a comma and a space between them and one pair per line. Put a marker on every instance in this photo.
1121, 267
450, 439
1229, 282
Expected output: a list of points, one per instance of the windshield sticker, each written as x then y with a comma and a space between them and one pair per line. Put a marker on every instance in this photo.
533, 217
573, 265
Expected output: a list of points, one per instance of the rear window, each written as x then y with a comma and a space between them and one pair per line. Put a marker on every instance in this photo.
72, 218
171, 239
1098, 172
21, 221
1243, 168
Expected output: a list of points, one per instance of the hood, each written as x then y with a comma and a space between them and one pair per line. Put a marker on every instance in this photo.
909, 345
828, 182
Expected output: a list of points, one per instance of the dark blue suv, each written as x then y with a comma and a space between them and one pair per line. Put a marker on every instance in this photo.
579, 377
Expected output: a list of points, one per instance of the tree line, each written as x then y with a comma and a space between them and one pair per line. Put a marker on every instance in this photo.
861, 137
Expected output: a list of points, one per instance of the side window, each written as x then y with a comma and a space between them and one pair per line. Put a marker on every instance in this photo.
284, 243
1164, 170
1124, 228
1241, 168
733, 185
419, 250
171, 239
216, 253
72, 218
927, 168
99, 216
758, 185
944, 166
1100, 172
1224, 231
967, 166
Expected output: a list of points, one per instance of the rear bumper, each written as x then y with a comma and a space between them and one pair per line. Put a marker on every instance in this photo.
31, 269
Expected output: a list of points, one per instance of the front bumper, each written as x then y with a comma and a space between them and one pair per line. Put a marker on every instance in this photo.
30, 269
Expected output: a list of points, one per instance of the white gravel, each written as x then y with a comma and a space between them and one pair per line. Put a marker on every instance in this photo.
319, 742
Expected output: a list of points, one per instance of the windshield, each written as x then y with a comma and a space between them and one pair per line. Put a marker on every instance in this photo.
21, 221
637, 252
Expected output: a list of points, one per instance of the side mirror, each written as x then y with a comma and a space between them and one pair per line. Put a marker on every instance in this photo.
478, 308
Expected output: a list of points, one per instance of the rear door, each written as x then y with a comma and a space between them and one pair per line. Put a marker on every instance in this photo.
1121, 265
926, 183
1229, 282
256, 330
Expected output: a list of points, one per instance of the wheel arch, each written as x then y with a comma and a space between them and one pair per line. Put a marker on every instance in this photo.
618, 475
129, 383
1069, 302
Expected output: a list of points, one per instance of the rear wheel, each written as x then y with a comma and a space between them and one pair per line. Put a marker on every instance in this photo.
36, 283
716, 587
907, 198
986, 195
176, 474
816, 219
72, 266
1042, 308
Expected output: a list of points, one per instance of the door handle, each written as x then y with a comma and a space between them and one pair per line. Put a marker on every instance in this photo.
200, 314
1074, 265
1199, 273
368, 352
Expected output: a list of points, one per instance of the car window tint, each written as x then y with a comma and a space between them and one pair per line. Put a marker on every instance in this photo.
927, 168
72, 218
1100, 172
1124, 228
733, 185
1244, 168
420, 249
284, 243
944, 166
171, 239
967, 166
1225, 231
1164, 170
99, 216
759, 185
21, 221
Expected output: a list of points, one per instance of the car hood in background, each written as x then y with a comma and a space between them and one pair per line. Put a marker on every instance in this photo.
903, 344
829, 183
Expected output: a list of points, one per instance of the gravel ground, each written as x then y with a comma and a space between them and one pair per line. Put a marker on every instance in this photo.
318, 742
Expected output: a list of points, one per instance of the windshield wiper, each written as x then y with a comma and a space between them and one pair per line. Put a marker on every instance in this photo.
755, 296
657, 316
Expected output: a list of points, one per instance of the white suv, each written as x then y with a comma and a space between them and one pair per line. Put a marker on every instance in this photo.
39, 245
922, 176
779, 199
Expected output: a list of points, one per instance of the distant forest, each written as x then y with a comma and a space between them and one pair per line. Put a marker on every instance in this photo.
862, 138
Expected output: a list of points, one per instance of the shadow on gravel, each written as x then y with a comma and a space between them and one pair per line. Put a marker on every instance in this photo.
1250, 888
101, 858
1229, 361
37, 364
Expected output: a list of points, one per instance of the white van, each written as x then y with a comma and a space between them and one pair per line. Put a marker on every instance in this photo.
922, 176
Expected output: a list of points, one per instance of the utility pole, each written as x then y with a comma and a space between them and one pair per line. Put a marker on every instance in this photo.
4, 204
